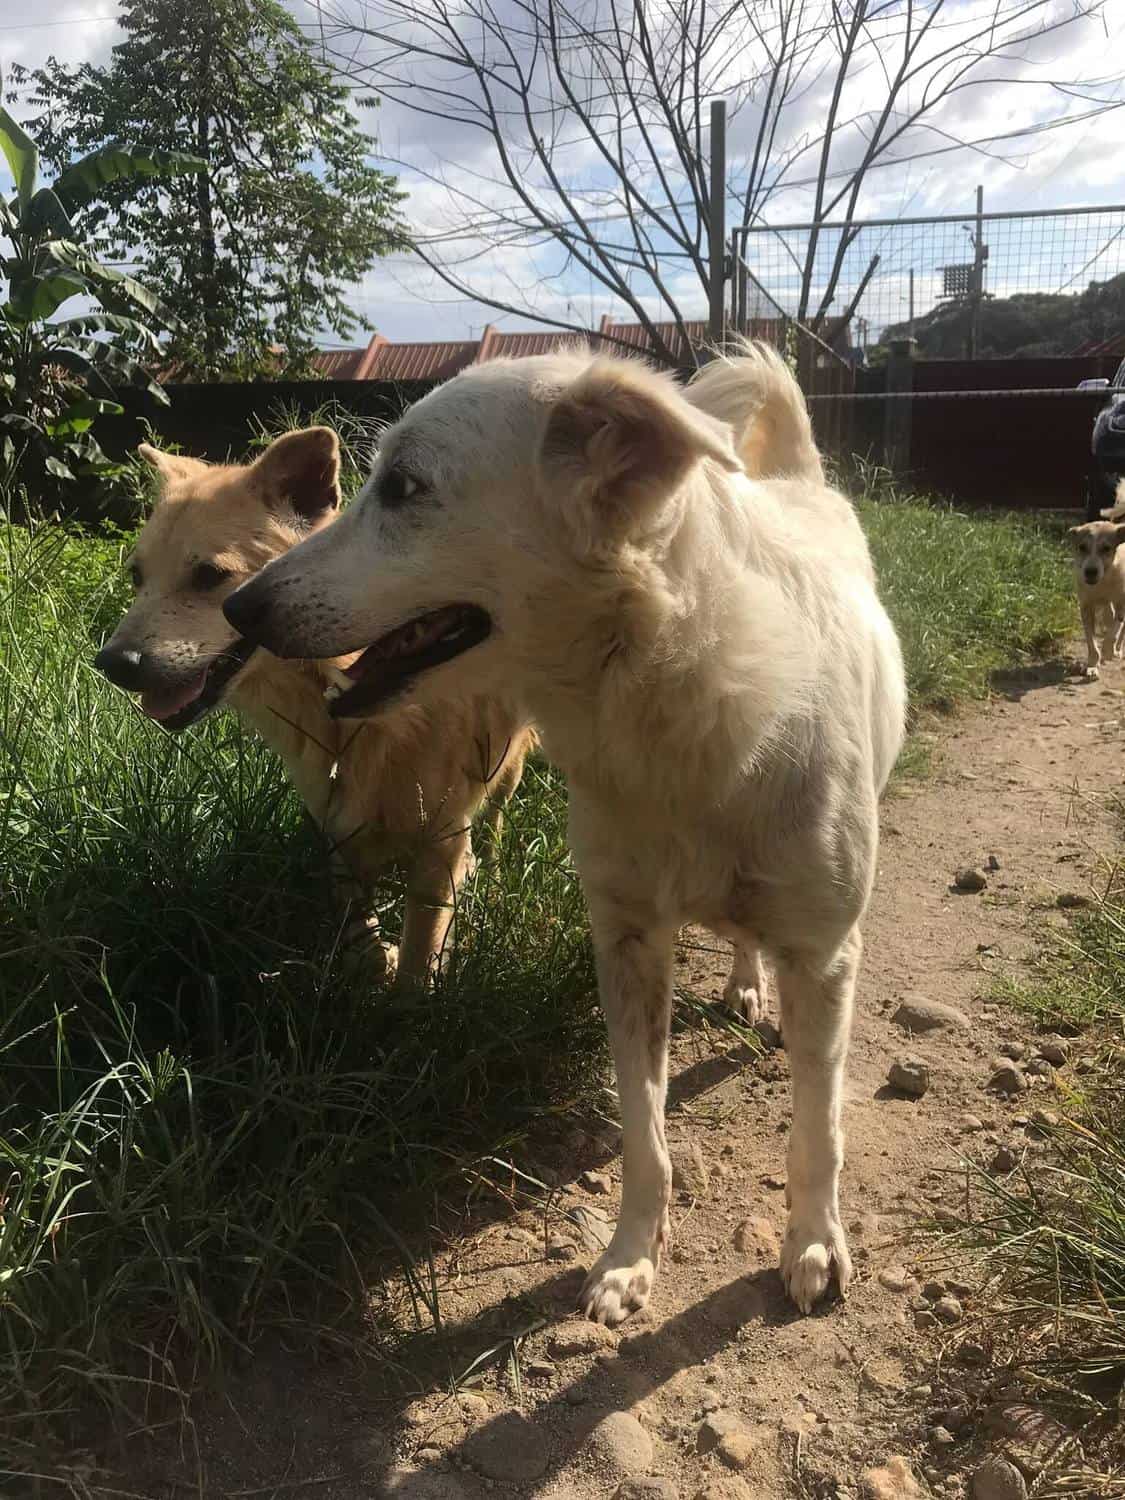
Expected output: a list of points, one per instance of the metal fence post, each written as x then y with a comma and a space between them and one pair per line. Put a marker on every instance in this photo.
717, 221
896, 416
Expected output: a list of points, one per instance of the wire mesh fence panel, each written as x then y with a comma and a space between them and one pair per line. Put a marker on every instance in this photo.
972, 285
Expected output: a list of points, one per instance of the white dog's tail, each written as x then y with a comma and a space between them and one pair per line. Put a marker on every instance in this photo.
1116, 511
756, 393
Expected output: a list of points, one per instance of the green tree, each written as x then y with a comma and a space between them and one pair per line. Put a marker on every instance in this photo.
59, 371
254, 255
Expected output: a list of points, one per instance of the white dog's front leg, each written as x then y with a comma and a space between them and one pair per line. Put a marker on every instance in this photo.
1089, 626
635, 983
816, 1011
746, 991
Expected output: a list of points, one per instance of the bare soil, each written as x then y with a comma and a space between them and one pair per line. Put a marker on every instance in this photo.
720, 1388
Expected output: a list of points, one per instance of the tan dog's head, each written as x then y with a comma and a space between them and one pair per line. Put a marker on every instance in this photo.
213, 527
1093, 546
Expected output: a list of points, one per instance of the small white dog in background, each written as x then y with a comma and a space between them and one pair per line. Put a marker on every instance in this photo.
1099, 567
663, 580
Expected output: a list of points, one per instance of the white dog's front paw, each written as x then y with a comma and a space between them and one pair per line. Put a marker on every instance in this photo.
809, 1256
749, 1000
620, 1282
1092, 672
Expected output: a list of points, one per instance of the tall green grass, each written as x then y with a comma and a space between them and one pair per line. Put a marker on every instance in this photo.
203, 1127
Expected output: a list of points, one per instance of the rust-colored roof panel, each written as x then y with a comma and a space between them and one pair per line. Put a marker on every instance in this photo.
421, 361
522, 344
338, 364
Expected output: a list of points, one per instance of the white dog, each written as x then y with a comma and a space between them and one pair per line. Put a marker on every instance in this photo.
688, 612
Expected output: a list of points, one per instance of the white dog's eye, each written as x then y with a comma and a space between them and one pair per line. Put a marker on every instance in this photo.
397, 487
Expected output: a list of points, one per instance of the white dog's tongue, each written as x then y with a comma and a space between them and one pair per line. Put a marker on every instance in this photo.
162, 703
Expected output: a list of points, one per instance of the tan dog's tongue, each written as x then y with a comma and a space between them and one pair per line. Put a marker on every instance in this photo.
162, 703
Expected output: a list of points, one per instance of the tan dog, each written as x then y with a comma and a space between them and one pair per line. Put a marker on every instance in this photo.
405, 789
1099, 568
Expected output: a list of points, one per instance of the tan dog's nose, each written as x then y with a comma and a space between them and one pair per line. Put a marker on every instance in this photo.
122, 665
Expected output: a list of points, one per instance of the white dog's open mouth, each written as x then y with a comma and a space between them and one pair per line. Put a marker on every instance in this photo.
388, 666
175, 706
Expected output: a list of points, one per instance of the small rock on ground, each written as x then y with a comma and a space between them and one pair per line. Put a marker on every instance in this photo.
621, 1444
948, 1310
595, 1182
689, 1171
509, 1448
570, 1340
1009, 1079
927, 1015
896, 1279
894, 1481
716, 1428
970, 879
1055, 1050
909, 1075
997, 1479
758, 1238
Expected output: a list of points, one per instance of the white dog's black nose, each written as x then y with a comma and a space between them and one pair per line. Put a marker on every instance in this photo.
122, 665
247, 609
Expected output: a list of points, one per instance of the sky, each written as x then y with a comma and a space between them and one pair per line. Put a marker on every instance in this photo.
442, 161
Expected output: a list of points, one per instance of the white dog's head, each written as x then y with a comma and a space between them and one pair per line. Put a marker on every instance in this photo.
564, 455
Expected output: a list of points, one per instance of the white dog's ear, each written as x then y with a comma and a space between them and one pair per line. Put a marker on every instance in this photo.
302, 469
620, 440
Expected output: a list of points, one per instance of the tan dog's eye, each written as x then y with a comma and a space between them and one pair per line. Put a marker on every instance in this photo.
208, 575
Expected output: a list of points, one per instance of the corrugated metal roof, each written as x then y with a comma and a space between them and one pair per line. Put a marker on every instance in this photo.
519, 345
339, 364
420, 361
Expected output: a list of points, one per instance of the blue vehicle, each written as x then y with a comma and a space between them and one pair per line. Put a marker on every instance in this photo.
1107, 445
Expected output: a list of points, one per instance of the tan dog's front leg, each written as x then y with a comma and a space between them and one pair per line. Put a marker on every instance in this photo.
364, 952
635, 984
433, 883
1089, 625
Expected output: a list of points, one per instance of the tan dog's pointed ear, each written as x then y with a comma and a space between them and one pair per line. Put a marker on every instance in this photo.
169, 465
620, 441
302, 470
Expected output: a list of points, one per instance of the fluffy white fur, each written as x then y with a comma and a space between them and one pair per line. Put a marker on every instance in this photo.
689, 614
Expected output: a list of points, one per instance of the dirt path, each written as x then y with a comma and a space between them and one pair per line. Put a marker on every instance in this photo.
721, 1389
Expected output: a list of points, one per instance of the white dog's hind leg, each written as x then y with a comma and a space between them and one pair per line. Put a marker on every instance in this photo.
1117, 630
635, 983
746, 991
816, 1013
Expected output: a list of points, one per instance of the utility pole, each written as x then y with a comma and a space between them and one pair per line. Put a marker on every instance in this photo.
980, 255
717, 233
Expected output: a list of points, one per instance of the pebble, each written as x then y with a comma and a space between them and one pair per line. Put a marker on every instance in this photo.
596, 1182
1072, 900
559, 1249
540, 1369
689, 1171
509, 1448
757, 1237
621, 1444
941, 1437
896, 1279
1043, 1120
970, 880
894, 1481
927, 1015
997, 1479
932, 1290
909, 1075
971, 1123
948, 1310
570, 1340
1005, 1160
1014, 1050
1009, 1079
959, 1288
737, 1450
1055, 1050
768, 1034
925, 1320
716, 1427
648, 1487
1039, 1067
